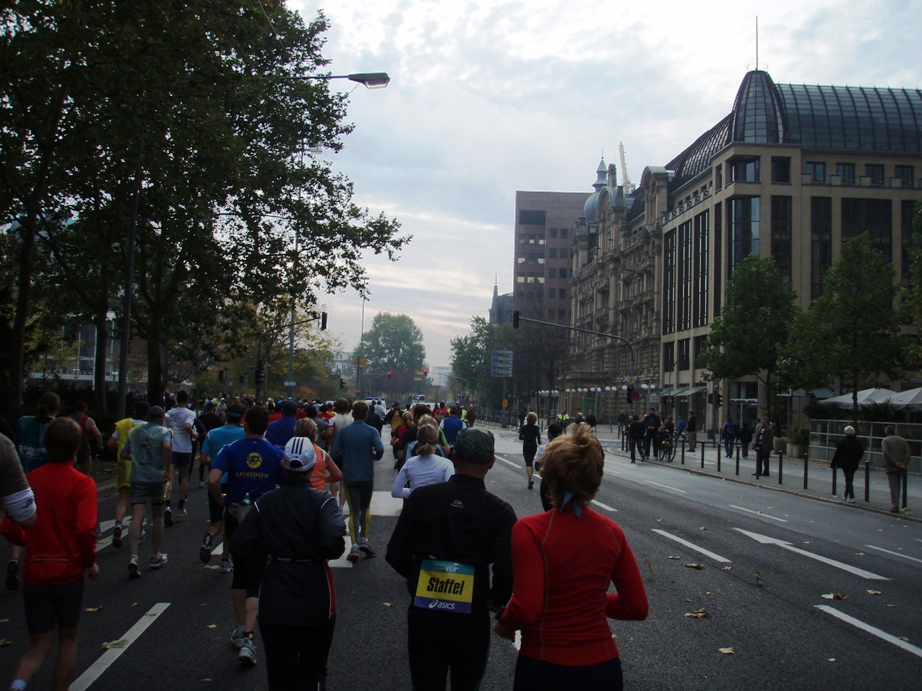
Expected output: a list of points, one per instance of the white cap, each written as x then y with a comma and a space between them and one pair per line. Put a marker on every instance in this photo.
299, 455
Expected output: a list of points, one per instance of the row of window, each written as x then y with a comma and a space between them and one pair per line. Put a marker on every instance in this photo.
551, 273
747, 169
539, 238
535, 258
550, 293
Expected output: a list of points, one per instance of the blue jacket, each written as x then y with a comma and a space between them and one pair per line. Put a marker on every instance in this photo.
355, 449
281, 430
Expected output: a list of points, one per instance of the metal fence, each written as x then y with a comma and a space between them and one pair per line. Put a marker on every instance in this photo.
825, 434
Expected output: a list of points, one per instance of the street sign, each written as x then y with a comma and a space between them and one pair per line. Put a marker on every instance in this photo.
419, 375
635, 396
501, 363
290, 383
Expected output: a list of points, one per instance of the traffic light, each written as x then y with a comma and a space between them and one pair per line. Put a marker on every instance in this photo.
426, 372
710, 398
515, 319
242, 378
323, 321
342, 383
718, 399
259, 372
388, 374
630, 395
220, 375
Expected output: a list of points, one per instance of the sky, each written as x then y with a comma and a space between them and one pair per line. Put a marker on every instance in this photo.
488, 97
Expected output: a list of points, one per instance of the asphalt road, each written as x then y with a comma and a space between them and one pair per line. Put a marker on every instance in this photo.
766, 560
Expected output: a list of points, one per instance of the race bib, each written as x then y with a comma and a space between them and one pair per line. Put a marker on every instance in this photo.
445, 586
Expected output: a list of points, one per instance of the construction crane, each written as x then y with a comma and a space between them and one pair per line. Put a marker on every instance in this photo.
628, 187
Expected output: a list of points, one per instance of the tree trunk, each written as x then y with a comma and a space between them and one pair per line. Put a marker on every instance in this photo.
154, 360
100, 399
23, 299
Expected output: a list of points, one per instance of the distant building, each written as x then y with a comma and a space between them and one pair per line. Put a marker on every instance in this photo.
791, 172
501, 307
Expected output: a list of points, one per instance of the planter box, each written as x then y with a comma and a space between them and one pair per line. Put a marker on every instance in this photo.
779, 444
796, 451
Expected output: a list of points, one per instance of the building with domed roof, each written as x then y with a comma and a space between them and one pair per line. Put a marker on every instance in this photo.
790, 172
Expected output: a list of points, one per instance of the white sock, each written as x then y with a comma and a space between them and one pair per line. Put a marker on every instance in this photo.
18, 685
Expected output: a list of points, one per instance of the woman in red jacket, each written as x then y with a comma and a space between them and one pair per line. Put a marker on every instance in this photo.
563, 562
60, 553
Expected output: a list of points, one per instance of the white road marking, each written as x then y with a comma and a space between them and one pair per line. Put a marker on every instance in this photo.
508, 462
696, 548
96, 670
674, 489
766, 540
895, 554
757, 513
871, 630
383, 504
604, 506
342, 562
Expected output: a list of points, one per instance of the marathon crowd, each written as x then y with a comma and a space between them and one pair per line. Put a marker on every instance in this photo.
282, 480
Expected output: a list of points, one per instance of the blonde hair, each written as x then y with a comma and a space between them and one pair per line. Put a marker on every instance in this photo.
306, 428
531, 418
573, 463
427, 435
849, 431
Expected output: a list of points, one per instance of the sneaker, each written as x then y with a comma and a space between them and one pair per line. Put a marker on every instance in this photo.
168, 517
237, 639
354, 554
851, 500
894, 509
366, 547
182, 509
531, 484
133, 569
247, 653
143, 534
12, 575
204, 553
201, 485
117, 536
157, 560
227, 566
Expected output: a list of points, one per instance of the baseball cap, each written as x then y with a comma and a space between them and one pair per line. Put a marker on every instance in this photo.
474, 445
155, 413
209, 405
289, 407
299, 455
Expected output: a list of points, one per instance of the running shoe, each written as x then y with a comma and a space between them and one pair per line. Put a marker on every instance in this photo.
531, 484
204, 553
133, 569
117, 536
237, 639
227, 566
168, 516
143, 534
182, 509
157, 560
247, 653
12, 575
201, 485
366, 547
354, 554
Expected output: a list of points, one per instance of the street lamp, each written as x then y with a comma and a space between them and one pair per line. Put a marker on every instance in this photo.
370, 80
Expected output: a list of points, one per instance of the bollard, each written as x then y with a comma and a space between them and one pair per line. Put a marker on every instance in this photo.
835, 478
867, 481
780, 465
702, 455
683, 450
905, 473
737, 460
758, 461
806, 466
718, 459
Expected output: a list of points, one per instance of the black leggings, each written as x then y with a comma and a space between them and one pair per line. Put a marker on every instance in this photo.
296, 656
536, 675
442, 645
849, 474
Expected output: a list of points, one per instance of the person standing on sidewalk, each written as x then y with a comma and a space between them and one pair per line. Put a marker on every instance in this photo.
635, 433
691, 428
847, 457
896, 457
728, 434
763, 445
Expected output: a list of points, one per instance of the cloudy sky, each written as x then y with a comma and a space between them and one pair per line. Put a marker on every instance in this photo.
492, 96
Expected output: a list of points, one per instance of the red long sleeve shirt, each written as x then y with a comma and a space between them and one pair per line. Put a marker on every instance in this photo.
61, 544
562, 568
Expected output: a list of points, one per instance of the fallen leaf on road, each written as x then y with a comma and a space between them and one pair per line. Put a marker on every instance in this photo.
150, 614
93, 609
727, 651
694, 566
659, 520
860, 554
903, 638
832, 659
213, 567
709, 593
834, 596
702, 528
5, 642
121, 643
728, 568
875, 592
674, 557
387, 604
134, 604
759, 579
698, 614
4, 621
688, 599
652, 572
212, 626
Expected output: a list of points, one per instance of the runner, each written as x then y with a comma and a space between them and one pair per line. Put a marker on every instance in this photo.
355, 449
123, 466
88, 428
252, 465
216, 440
283, 429
150, 449
207, 421
424, 468
446, 538
530, 435
181, 421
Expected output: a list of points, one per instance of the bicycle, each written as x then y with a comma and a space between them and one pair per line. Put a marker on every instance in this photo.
669, 444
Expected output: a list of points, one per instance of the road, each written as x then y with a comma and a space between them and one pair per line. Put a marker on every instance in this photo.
764, 561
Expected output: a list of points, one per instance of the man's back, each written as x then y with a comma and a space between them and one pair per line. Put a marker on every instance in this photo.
355, 448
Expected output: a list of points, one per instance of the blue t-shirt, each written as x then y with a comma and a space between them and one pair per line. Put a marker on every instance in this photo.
253, 466
220, 437
281, 431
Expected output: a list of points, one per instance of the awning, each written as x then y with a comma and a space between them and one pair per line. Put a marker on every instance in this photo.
691, 392
822, 394
668, 391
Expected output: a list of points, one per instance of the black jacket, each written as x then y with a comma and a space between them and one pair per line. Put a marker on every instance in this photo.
456, 521
848, 454
297, 528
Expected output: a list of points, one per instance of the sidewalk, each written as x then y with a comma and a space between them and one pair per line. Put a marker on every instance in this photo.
819, 480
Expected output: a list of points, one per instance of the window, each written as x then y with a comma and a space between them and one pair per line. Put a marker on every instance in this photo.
561, 314
699, 345
563, 294
520, 279
562, 272
821, 244
906, 175
531, 239
563, 253
744, 228
846, 171
718, 253
872, 216
523, 238
532, 218
552, 273
817, 171
701, 241
781, 234
744, 169
906, 240
563, 232
684, 359
552, 253
781, 169
669, 280
540, 260
875, 171
531, 257
669, 356
520, 260
552, 293
529, 297
718, 176
550, 314
553, 232
684, 277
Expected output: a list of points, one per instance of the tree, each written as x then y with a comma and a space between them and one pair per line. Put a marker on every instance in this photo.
471, 357
912, 292
393, 343
750, 334
852, 331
